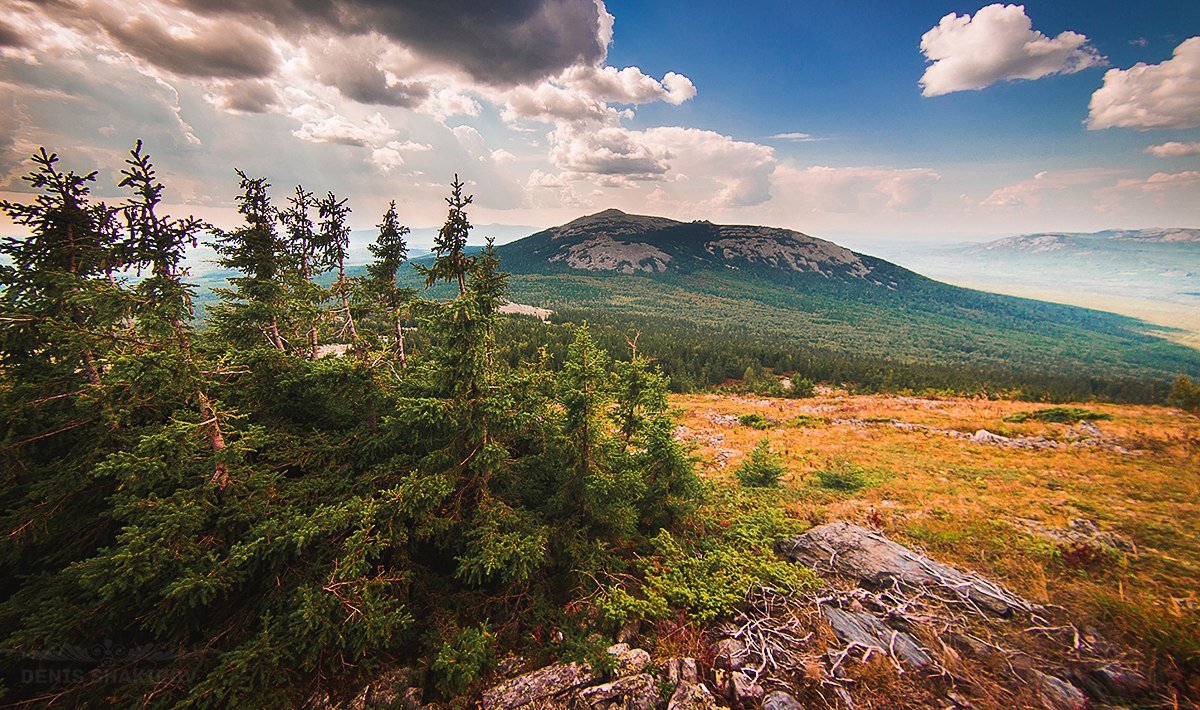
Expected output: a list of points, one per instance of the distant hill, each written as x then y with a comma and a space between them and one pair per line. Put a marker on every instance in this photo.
792, 287
1152, 274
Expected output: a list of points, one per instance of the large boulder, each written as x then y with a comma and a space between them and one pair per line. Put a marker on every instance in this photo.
537, 686
780, 700
871, 558
691, 696
628, 660
635, 692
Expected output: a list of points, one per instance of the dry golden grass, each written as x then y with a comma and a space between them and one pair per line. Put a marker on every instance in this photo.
964, 502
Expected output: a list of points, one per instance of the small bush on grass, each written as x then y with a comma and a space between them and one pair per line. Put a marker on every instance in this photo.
842, 477
762, 468
1058, 415
754, 420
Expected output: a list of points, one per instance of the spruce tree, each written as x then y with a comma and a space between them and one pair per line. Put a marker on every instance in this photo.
450, 244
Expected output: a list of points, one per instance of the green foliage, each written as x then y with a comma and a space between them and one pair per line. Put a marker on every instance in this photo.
279, 523
799, 388
762, 467
706, 568
1060, 415
754, 420
1185, 394
842, 477
462, 659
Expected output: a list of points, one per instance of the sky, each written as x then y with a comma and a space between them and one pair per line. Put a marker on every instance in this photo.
839, 118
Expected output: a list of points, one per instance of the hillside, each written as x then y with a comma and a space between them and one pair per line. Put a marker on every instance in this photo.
1152, 274
791, 287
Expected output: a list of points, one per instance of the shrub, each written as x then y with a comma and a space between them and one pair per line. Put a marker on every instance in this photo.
1058, 415
462, 658
762, 468
808, 421
843, 477
799, 388
1185, 394
755, 420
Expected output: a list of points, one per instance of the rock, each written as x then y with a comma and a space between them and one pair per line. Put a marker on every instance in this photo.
392, 688
728, 654
780, 700
635, 692
534, 686
682, 670
864, 629
1058, 694
629, 660
691, 696
1110, 682
873, 559
744, 690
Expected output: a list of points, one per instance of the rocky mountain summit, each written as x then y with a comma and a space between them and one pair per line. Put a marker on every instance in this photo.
615, 241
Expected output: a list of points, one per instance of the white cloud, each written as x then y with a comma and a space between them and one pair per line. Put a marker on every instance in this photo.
390, 156
1031, 192
1150, 96
607, 150
319, 126
1174, 149
997, 44
1161, 187
854, 189
583, 93
796, 137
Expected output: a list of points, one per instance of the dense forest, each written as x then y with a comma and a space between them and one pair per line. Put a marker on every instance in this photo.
291, 498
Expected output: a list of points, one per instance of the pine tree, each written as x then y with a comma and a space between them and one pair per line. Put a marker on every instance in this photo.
390, 252
450, 244
302, 245
251, 310
333, 247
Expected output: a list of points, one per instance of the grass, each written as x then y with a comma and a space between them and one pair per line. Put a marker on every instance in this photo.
965, 502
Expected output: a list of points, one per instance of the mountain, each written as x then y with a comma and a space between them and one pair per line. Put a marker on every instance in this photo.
1153, 274
790, 287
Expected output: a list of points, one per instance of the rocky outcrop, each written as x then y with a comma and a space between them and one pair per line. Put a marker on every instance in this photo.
873, 559
544, 684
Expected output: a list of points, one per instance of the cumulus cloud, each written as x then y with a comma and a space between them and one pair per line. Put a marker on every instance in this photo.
1031, 192
254, 96
997, 44
1151, 96
500, 44
391, 155
320, 126
607, 151
583, 93
354, 69
855, 189
1174, 149
221, 49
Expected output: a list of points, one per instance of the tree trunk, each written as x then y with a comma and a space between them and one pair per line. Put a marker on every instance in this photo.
400, 343
216, 440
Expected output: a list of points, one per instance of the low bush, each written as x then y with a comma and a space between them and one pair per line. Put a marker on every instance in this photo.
1058, 415
762, 467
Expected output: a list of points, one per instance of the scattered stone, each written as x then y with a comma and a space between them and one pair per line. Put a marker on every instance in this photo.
629, 660
1058, 694
780, 700
744, 689
1110, 682
691, 696
636, 692
873, 559
722, 419
728, 654
864, 629
1085, 430
682, 670
534, 686
1081, 531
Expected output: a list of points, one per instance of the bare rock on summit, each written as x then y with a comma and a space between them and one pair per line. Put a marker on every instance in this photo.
780, 700
537, 686
692, 696
871, 558
629, 660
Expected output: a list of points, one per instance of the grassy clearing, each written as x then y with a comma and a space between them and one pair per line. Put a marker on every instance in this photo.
969, 504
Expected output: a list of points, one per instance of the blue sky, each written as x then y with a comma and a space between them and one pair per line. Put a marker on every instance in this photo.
819, 116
